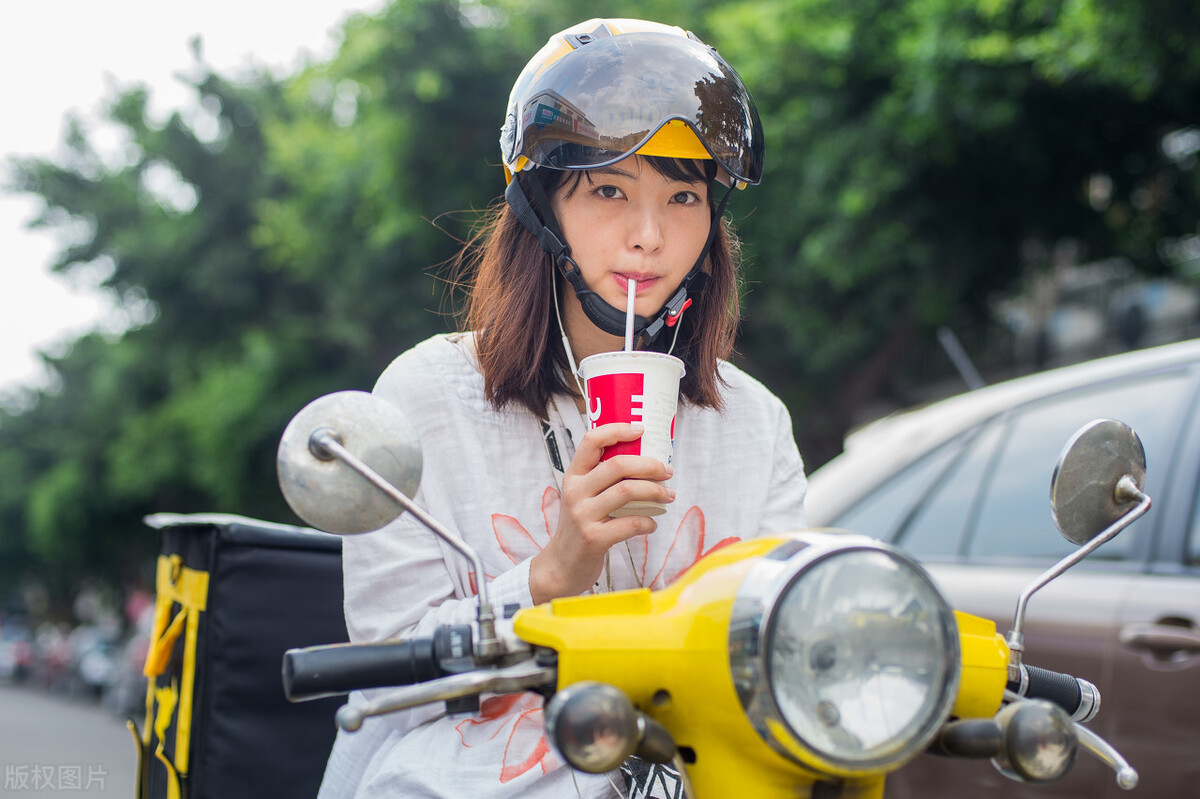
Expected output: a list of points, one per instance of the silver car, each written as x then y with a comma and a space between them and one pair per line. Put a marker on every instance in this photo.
963, 484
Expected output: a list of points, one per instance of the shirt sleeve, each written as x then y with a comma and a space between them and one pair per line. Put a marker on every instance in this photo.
403, 581
784, 509
398, 584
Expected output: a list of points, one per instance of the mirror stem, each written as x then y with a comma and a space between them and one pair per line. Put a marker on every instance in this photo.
324, 443
1126, 491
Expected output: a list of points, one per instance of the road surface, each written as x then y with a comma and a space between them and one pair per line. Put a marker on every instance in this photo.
52, 746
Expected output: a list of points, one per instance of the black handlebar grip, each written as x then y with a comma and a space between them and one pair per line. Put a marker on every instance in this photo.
1078, 697
319, 671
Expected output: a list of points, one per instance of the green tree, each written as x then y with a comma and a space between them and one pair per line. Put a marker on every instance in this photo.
923, 157
178, 413
282, 238
382, 160
274, 242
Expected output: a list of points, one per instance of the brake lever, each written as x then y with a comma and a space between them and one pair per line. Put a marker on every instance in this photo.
503, 680
1127, 776
1102, 750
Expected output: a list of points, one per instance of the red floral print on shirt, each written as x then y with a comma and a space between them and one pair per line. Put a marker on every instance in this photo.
515, 541
518, 719
518, 716
686, 548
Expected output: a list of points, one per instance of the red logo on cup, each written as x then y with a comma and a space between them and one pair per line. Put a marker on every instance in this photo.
617, 398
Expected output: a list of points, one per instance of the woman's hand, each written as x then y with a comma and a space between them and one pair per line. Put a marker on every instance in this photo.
591, 490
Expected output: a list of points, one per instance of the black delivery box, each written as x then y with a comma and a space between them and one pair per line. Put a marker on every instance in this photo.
232, 595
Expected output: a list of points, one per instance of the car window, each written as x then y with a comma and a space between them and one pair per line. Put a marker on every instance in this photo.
1193, 541
936, 528
1014, 517
881, 511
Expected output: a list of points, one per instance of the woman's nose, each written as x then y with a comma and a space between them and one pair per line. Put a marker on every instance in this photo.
646, 232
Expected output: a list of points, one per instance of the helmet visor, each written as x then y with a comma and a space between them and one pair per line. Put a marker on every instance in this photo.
582, 113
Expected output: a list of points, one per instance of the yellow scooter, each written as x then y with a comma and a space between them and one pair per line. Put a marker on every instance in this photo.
803, 665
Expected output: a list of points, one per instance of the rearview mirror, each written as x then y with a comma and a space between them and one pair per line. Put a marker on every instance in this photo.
1086, 497
327, 493
1095, 493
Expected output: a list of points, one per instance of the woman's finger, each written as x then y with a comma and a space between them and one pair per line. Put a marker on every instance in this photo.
622, 492
591, 448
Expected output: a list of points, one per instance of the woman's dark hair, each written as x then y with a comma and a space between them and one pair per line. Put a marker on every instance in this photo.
511, 310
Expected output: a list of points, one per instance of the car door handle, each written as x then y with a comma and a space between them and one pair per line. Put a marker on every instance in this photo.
1160, 639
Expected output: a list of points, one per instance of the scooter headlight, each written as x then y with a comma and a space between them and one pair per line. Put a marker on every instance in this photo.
844, 654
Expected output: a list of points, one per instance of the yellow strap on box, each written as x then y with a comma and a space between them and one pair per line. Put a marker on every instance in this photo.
176, 584
165, 699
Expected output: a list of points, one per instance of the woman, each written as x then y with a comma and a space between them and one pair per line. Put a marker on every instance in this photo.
617, 134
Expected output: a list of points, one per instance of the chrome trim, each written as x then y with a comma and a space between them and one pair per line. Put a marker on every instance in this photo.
752, 620
1089, 702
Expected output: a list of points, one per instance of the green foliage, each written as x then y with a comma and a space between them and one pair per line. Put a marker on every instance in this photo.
918, 152
281, 239
394, 133
169, 416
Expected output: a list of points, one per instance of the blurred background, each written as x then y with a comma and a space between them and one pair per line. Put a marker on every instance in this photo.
956, 192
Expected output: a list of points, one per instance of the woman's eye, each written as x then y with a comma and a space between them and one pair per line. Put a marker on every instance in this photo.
608, 192
686, 198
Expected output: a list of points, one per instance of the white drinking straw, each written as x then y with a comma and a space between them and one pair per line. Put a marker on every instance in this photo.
632, 288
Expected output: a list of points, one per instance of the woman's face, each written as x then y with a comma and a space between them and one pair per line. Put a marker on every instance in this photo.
629, 222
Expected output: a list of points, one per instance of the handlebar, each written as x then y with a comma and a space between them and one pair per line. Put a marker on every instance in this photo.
1078, 697
318, 671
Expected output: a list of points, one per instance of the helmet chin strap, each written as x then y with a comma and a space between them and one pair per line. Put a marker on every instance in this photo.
604, 316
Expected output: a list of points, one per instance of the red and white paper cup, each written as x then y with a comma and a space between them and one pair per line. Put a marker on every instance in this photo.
640, 388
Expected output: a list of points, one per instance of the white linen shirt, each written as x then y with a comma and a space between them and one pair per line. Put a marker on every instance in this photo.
488, 476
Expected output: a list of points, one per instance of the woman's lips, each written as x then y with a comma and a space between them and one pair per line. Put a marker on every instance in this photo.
644, 282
